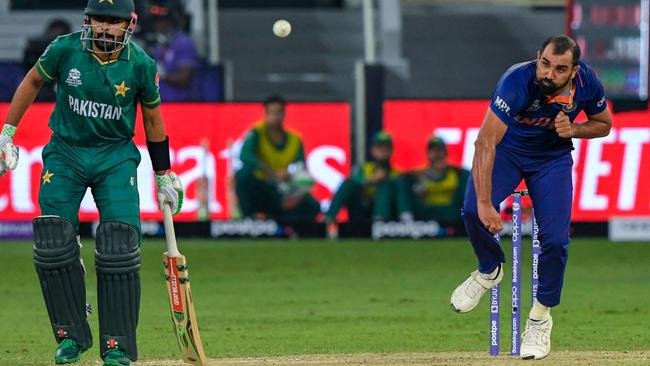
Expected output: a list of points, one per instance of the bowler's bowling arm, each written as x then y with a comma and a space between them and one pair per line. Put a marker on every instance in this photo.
491, 132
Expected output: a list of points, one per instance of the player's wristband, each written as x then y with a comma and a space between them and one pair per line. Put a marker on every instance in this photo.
159, 153
8, 130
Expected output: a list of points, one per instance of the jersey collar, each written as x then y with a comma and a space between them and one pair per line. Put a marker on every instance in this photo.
564, 98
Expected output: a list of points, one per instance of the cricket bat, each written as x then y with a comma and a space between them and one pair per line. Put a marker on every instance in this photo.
180, 297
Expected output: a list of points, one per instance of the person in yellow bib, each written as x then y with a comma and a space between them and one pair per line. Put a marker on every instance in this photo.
435, 192
273, 180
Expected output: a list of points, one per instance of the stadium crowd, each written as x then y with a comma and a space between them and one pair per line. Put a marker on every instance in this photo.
274, 181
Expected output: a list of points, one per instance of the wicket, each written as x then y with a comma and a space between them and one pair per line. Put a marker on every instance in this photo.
515, 291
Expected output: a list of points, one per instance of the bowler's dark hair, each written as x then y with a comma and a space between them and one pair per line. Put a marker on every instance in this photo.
561, 44
273, 99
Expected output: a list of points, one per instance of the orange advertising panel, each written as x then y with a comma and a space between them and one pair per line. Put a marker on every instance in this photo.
204, 140
610, 174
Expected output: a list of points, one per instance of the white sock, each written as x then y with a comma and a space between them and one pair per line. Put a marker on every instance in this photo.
540, 312
492, 275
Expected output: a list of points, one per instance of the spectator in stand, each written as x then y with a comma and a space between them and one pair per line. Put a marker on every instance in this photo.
435, 192
34, 50
274, 182
179, 63
370, 193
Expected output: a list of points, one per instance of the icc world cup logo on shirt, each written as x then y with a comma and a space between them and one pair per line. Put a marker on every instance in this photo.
74, 78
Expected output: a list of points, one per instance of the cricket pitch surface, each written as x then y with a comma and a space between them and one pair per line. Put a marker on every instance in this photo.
443, 358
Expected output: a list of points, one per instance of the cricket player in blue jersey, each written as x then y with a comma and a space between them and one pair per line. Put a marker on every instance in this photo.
526, 134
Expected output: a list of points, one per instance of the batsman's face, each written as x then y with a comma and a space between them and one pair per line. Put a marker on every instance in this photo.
107, 31
554, 72
274, 115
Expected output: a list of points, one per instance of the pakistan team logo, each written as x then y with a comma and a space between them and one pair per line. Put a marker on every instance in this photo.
74, 78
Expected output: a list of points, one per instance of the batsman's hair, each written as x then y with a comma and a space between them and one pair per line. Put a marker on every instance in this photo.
273, 99
561, 44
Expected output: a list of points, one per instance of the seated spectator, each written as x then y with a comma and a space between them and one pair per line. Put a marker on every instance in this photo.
435, 192
369, 194
35, 48
178, 60
274, 181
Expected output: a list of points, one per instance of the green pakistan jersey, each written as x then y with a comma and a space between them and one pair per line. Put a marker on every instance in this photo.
96, 101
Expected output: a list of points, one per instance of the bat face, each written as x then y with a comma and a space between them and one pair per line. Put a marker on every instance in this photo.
182, 309
174, 287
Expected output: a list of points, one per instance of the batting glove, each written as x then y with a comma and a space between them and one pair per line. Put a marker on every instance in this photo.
8, 151
170, 191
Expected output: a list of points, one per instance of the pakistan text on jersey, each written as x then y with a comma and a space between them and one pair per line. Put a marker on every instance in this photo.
88, 108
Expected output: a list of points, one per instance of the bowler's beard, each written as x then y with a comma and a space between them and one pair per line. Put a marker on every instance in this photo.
109, 44
548, 87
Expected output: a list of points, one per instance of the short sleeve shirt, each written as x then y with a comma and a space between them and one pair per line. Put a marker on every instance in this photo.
530, 115
179, 52
96, 101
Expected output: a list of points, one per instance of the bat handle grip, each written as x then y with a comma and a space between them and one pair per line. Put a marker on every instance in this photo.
170, 235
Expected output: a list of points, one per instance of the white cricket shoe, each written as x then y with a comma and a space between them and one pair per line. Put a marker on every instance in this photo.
468, 294
536, 342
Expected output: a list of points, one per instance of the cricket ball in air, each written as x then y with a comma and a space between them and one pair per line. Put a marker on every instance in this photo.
281, 28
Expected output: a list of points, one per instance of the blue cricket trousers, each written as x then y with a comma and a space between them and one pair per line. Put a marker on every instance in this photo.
550, 188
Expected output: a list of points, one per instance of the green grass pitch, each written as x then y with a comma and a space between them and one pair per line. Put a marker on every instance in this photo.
277, 297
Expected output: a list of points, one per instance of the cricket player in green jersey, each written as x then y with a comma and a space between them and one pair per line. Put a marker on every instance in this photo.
273, 179
436, 192
101, 77
370, 192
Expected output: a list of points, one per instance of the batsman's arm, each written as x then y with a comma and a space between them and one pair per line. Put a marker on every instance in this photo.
157, 142
24, 96
491, 132
170, 189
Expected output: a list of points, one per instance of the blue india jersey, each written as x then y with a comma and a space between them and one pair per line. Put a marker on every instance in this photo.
530, 115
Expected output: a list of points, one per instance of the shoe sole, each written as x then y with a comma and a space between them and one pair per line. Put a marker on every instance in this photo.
68, 360
114, 363
459, 311
532, 357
